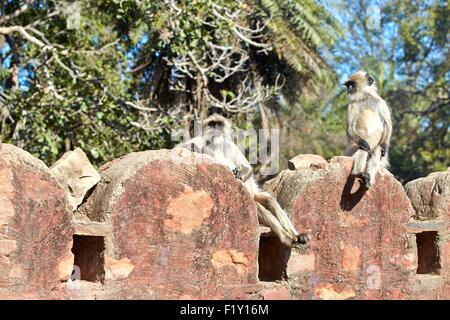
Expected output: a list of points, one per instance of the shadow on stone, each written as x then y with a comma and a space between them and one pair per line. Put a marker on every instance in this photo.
273, 258
348, 199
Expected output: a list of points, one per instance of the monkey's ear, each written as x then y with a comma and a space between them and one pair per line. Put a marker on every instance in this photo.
370, 79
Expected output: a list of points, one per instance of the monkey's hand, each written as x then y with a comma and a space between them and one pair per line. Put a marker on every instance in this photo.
363, 145
384, 148
237, 173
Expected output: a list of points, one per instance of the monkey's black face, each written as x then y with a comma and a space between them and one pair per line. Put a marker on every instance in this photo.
351, 87
217, 125
216, 128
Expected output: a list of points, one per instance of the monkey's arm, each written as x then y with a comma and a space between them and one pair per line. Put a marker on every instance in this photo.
223, 160
226, 153
195, 144
385, 116
362, 144
239, 160
352, 133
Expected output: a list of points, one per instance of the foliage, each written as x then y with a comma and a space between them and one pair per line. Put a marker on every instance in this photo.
131, 73
115, 76
409, 56
78, 102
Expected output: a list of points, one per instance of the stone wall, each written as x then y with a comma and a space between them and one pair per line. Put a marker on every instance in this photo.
173, 225
35, 227
367, 244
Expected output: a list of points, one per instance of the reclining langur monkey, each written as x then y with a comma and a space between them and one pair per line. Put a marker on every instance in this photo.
369, 127
216, 141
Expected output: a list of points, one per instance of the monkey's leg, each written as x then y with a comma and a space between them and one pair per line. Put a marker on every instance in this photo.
266, 218
373, 165
269, 203
359, 162
267, 200
363, 145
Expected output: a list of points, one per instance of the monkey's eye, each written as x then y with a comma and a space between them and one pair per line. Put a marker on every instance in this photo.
370, 79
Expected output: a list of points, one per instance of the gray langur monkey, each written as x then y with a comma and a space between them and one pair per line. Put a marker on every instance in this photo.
216, 141
369, 127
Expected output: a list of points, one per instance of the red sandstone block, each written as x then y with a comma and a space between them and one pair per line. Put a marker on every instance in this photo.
300, 263
395, 295
446, 259
430, 195
305, 161
276, 293
351, 258
328, 291
181, 227
446, 291
187, 229
373, 295
35, 228
7, 247
355, 233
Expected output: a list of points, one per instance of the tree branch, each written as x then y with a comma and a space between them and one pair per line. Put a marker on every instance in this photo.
24, 33
16, 13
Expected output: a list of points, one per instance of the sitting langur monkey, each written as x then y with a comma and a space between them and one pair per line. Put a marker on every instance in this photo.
369, 127
216, 141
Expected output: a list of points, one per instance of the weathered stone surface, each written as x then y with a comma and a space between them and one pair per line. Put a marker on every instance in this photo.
329, 291
173, 225
35, 229
76, 175
117, 269
430, 196
305, 161
299, 263
275, 291
181, 227
90, 228
355, 233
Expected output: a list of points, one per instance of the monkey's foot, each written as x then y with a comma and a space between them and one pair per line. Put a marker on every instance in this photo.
303, 238
365, 179
363, 145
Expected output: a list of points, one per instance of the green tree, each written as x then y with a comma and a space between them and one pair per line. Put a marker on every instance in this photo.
114, 76
64, 82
